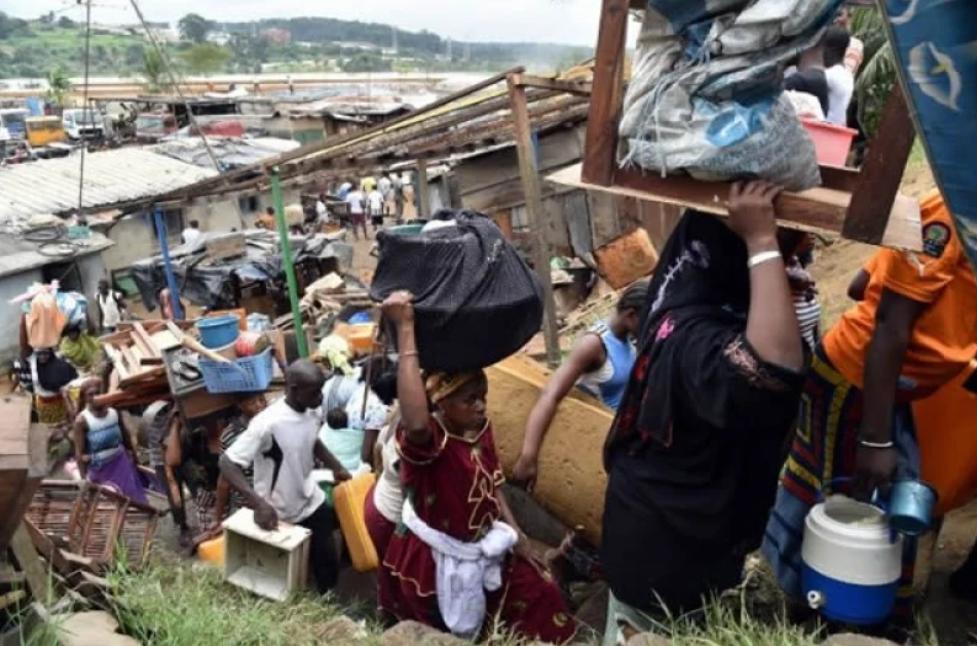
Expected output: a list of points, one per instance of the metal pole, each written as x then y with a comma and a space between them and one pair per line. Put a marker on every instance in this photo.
293, 287
164, 247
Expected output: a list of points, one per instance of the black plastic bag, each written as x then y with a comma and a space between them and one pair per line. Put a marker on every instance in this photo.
476, 301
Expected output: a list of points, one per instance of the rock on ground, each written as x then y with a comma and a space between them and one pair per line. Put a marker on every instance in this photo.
649, 639
851, 639
412, 633
341, 631
94, 628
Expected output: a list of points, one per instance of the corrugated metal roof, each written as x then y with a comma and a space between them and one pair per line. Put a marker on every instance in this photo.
111, 177
18, 255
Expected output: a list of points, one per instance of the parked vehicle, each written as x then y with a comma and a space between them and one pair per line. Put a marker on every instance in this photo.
153, 126
82, 123
42, 131
12, 124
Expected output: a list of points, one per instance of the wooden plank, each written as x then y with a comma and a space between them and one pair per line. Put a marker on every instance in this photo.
607, 97
23, 549
142, 339
881, 174
570, 87
534, 212
117, 361
423, 196
131, 361
819, 210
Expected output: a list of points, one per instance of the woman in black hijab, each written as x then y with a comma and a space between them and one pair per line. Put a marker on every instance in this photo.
693, 453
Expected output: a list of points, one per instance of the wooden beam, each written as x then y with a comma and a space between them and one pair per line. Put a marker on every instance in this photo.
607, 97
881, 174
819, 210
582, 88
534, 213
29, 563
423, 196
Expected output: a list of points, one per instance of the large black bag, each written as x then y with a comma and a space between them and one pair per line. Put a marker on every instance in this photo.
475, 300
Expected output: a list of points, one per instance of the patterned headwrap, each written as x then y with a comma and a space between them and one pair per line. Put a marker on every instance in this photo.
443, 384
335, 350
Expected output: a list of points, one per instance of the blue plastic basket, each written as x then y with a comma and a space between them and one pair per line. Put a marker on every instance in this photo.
247, 374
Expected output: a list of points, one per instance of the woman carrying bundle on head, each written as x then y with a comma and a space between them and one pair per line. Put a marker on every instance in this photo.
458, 561
694, 451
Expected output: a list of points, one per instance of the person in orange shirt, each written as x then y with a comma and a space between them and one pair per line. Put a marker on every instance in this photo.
913, 329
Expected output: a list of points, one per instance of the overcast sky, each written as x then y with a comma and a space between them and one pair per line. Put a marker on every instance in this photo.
556, 21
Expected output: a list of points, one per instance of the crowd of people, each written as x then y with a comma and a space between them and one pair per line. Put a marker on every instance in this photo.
733, 415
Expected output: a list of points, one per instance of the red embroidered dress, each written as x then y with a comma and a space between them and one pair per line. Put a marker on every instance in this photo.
452, 485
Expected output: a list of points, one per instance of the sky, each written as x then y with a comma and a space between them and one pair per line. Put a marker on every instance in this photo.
554, 21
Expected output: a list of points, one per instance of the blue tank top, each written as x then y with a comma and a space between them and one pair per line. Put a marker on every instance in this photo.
620, 358
104, 437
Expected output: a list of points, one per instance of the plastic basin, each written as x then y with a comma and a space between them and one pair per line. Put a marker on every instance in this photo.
218, 331
831, 143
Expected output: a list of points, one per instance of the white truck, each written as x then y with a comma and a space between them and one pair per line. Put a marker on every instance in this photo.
82, 123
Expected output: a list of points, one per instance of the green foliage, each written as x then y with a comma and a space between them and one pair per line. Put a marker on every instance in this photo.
65, 22
878, 74
194, 27
58, 86
205, 58
11, 26
365, 62
174, 604
153, 70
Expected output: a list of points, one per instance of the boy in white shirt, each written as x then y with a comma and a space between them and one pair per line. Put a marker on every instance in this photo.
282, 443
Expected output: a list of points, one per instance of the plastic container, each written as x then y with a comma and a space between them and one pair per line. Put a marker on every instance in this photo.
212, 551
349, 500
851, 561
831, 143
218, 331
246, 374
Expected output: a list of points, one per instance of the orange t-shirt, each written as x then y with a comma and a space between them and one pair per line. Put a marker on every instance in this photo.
944, 339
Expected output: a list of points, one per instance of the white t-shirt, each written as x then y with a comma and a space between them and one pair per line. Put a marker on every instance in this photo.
376, 202
295, 495
385, 186
320, 209
191, 236
841, 85
388, 495
109, 306
355, 201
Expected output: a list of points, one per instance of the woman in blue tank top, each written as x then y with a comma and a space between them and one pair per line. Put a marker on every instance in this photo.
600, 363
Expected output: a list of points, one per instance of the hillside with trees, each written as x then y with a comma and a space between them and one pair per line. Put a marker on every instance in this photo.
36, 48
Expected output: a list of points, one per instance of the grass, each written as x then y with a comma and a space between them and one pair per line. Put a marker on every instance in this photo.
176, 603
171, 603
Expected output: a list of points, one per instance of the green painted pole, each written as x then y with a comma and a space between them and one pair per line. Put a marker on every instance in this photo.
293, 286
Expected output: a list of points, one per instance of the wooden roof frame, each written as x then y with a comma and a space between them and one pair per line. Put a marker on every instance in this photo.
860, 205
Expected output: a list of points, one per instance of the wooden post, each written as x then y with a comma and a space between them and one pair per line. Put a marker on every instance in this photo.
607, 96
878, 182
534, 213
423, 196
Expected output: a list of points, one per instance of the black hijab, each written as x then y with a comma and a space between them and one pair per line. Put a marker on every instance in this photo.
701, 286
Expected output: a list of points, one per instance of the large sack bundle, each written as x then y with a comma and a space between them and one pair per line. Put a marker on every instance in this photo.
706, 95
476, 301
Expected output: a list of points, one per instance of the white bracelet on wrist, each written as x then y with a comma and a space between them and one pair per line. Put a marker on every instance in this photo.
762, 257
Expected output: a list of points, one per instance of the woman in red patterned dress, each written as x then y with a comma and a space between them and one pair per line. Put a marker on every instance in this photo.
451, 476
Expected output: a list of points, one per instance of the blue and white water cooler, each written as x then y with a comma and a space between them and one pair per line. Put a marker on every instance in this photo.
852, 561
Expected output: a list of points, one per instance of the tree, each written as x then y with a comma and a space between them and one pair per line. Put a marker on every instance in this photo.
65, 22
877, 75
59, 85
11, 26
205, 58
153, 70
194, 27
